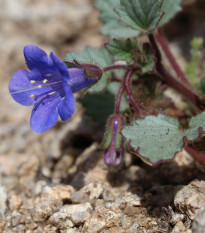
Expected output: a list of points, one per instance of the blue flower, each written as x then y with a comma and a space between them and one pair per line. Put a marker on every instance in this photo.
49, 86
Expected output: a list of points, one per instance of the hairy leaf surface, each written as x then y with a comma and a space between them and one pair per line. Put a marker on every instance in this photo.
113, 27
158, 138
122, 50
140, 14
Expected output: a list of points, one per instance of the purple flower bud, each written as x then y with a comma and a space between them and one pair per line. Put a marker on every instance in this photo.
114, 141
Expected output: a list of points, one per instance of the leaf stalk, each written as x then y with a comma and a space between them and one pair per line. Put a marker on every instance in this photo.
170, 57
172, 81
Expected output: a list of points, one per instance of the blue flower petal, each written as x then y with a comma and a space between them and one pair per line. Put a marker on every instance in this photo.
21, 89
66, 107
61, 66
17, 86
45, 113
36, 59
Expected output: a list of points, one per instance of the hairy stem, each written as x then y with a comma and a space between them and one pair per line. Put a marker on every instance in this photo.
116, 78
172, 81
118, 99
128, 89
115, 67
170, 57
195, 154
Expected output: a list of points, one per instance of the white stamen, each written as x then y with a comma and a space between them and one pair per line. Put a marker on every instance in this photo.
48, 75
52, 93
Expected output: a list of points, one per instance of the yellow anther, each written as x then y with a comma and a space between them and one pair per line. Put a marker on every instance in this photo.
32, 81
39, 86
32, 96
45, 81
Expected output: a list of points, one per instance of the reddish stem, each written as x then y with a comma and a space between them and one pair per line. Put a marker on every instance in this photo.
173, 82
118, 99
130, 93
116, 78
115, 67
170, 57
195, 154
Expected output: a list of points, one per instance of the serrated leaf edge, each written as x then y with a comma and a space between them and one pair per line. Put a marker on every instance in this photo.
146, 159
149, 161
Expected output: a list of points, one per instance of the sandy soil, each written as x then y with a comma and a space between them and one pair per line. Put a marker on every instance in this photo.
57, 181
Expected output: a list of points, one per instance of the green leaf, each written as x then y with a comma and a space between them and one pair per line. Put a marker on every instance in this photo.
100, 58
195, 123
140, 14
99, 106
113, 27
170, 8
157, 138
122, 50
129, 51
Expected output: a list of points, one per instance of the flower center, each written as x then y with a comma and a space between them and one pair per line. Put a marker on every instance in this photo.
55, 85
50, 87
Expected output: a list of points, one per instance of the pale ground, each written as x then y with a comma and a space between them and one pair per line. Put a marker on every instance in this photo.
40, 174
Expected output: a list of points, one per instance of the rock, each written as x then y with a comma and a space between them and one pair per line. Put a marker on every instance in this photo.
129, 199
133, 227
124, 201
19, 228
91, 167
198, 225
173, 217
71, 231
51, 200
39, 187
191, 198
30, 224
17, 219
96, 224
69, 215
129, 224
89, 193
48, 228
62, 167
45, 208
108, 196
101, 219
44, 20
3, 199
27, 172
15, 202
179, 228
60, 192
2, 225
